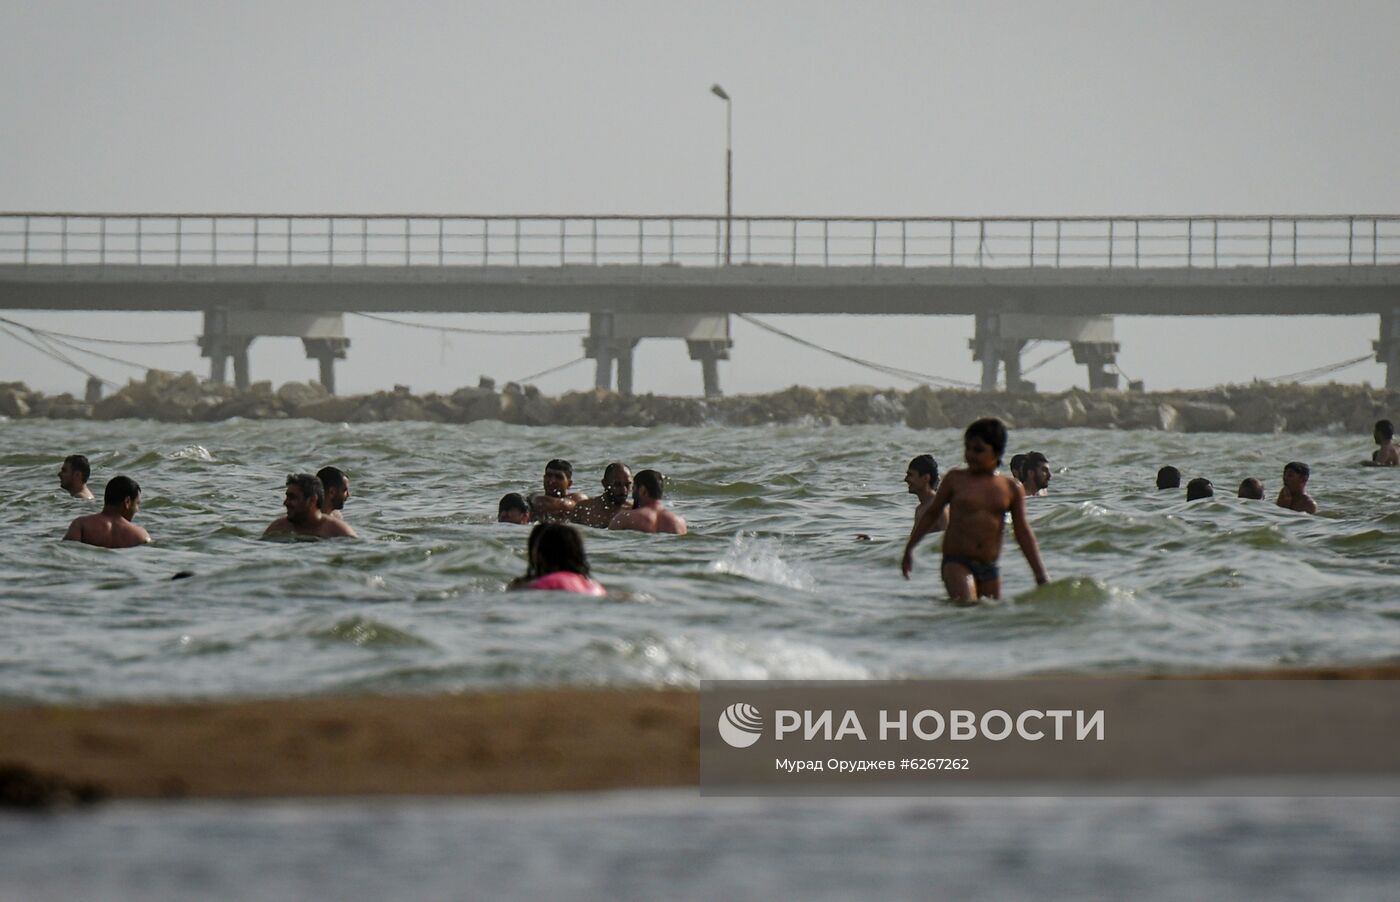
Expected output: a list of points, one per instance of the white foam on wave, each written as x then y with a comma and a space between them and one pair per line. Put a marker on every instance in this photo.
761, 560
191, 452
684, 660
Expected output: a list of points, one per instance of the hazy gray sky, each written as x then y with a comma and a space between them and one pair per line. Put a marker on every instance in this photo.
866, 108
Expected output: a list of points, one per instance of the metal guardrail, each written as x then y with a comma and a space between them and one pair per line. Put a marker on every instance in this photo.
1139, 242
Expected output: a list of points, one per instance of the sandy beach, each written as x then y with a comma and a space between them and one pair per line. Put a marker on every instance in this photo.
536, 741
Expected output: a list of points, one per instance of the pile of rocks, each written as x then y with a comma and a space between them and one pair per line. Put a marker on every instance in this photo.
1244, 408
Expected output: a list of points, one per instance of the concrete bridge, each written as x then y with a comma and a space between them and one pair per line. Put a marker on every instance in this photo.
1056, 278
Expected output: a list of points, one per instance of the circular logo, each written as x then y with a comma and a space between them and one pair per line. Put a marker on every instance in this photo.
740, 725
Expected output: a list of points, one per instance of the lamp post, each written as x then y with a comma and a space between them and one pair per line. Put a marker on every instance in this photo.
728, 169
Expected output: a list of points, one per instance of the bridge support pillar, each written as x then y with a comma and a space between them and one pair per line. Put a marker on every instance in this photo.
1388, 347
709, 352
997, 352
326, 351
614, 336
1097, 356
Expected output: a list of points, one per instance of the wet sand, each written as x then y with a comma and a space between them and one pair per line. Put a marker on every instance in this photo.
535, 741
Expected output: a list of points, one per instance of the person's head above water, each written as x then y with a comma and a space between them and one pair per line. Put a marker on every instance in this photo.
1035, 472
922, 474
1252, 488
1299, 470
1200, 487
74, 474
650, 482
555, 547
617, 482
558, 477
1384, 431
1017, 466
303, 498
513, 509
989, 433
1168, 478
335, 486
121, 496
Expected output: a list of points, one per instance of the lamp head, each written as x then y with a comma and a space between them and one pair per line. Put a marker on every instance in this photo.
718, 92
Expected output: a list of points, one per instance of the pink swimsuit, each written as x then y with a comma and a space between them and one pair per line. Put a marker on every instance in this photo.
567, 581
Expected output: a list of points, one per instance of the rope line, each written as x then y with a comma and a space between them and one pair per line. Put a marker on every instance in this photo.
897, 372
466, 331
1315, 372
1040, 363
554, 369
104, 341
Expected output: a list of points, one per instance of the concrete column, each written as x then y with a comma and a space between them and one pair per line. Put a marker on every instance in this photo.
218, 367
984, 345
238, 348
214, 344
1010, 352
326, 351
1388, 347
1097, 357
622, 351
598, 345
709, 352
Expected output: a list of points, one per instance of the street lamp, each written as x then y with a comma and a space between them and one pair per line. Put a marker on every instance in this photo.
728, 168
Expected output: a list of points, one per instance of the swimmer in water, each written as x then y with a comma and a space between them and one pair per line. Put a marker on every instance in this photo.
304, 517
1036, 474
648, 514
617, 489
1198, 488
1252, 489
1168, 478
556, 503
513, 509
922, 479
977, 499
558, 561
1387, 455
73, 476
336, 486
1294, 494
113, 527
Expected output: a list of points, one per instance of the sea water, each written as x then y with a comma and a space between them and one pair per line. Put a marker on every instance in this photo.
771, 582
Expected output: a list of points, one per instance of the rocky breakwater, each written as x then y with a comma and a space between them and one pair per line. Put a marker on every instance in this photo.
1256, 408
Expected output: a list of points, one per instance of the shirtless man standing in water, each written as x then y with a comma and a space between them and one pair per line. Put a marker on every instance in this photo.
648, 514
304, 518
980, 498
1294, 494
617, 489
557, 503
73, 476
113, 527
922, 479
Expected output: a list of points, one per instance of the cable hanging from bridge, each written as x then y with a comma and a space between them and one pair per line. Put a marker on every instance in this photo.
465, 331
49, 339
1317, 372
554, 369
103, 341
897, 372
60, 357
1040, 363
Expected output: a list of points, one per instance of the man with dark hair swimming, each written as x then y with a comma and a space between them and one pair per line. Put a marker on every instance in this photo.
304, 518
647, 513
513, 509
1294, 494
336, 486
112, 528
617, 488
73, 476
556, 504
922, 479
1168, 477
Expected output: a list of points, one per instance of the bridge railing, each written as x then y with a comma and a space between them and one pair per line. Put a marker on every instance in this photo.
1208, 242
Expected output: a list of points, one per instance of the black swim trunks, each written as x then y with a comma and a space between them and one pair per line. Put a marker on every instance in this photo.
982, 571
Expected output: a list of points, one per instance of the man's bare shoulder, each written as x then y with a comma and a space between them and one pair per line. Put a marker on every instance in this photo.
332, 529
280, 525
671, 522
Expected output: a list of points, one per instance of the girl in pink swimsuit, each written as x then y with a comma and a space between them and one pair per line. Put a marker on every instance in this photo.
558, 562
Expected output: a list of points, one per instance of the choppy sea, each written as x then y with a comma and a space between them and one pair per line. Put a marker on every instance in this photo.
770, 583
